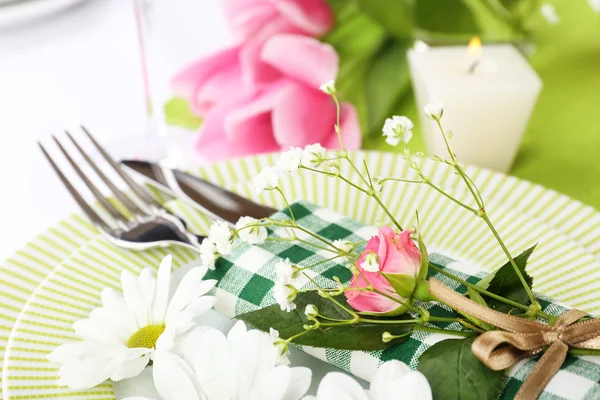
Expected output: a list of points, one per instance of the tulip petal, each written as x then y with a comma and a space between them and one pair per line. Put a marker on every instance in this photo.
314, 17
302, 58
302, 116
256, 72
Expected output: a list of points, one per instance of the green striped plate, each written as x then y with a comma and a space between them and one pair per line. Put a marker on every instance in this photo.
71, 264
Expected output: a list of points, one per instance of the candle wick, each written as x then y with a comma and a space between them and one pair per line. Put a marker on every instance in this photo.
474, 65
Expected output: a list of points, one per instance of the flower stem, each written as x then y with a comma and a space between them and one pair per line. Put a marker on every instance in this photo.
444, 331
286, 204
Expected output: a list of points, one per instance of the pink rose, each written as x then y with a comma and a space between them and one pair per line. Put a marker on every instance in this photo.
259, 19
398, 262
269, 103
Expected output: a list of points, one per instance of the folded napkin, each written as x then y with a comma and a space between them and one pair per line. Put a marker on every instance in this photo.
246, 279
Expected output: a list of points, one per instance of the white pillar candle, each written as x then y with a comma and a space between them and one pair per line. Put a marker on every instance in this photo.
487, 107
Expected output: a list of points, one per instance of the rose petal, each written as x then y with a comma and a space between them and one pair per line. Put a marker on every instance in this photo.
302, 58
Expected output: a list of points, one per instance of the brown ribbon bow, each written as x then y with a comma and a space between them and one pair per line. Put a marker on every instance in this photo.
521, 338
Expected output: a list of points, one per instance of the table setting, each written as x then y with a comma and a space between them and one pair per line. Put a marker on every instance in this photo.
355, 200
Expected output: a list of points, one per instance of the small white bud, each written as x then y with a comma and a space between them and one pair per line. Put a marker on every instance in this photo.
387, 337
311, 311
434, 111
328, 87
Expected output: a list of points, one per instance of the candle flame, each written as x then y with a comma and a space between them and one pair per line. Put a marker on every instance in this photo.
474, 48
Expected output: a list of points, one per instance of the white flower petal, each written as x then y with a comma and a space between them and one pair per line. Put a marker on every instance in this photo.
69, 351
386, 373
339, 386
186, 291
285, 383
138, 398
133, 297
163, 284
413, 386
251, 360
129, 364
174, 379
114, 302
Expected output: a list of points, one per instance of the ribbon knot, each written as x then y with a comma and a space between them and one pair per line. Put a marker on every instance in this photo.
521, 338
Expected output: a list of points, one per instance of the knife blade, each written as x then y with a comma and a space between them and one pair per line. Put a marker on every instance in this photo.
206, 196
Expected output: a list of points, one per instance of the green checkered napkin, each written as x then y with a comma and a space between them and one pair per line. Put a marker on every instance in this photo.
246, 279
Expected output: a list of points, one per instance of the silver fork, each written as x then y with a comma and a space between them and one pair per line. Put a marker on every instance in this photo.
151, 226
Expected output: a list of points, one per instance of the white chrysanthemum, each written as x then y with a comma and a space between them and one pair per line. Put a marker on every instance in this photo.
220, 235
313, 155
251, 234
206, 365
434, 111
391, 379
267, 179
344, 245
120, 337
328, 87
370, 263
549, 13
208, 253
595, 4
290, 160
397, 129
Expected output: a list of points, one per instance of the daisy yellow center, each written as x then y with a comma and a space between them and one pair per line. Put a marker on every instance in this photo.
146, 337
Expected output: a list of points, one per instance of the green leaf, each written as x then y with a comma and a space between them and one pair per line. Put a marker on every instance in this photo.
403, 284
506, 283
387, 81
178, 113
424, 268
395, 16
454, 372
348, 337
445, 16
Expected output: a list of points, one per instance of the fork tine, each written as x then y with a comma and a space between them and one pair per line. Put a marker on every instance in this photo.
116, 214
130, 205
138, 189
89, 211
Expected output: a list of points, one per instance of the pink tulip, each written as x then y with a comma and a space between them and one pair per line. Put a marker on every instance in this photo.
260, 19
266, 98
398, 257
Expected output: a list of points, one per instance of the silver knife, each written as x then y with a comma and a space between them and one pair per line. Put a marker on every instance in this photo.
208, 197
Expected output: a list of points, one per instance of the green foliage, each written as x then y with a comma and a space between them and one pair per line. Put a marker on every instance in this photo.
178, 113
351, 337
506, 283
454, 372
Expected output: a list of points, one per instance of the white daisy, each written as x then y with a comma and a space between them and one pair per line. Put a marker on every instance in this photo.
208, 253
290, 160
328, 87
267, 179
392, 380
120, 337
253, 234
242, 366
313, 155
370, 263
220, 235
434, 111
397, 129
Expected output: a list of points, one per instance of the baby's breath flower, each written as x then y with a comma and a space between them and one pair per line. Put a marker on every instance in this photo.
284, 270
549, 13
285, 293
370, 263
397, 129
313, 155
311, 311
252, 234
267, 179
290, 160
281, 347
344, 245
208, 253
328, 87
220, 235
434, 111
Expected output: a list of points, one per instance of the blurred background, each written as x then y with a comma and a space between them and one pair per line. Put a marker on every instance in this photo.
196, 81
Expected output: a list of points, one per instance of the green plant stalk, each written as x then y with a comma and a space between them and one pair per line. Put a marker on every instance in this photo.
287, 204
490, 294
483, 214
